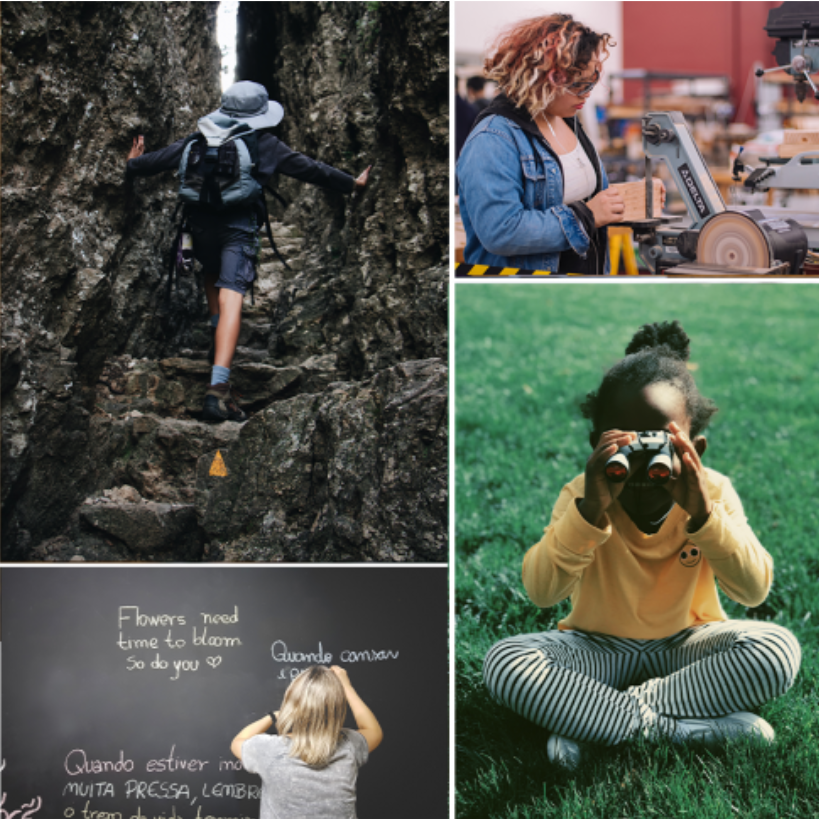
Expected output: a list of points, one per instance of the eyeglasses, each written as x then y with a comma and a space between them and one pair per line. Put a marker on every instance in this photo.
585, 87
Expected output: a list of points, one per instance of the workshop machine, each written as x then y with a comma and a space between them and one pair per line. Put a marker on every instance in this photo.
793, 24
718, 241
739, 241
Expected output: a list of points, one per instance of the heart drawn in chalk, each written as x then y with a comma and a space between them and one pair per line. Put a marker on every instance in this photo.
214, 661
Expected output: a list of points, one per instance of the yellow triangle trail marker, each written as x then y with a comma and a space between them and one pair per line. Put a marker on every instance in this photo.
218, 467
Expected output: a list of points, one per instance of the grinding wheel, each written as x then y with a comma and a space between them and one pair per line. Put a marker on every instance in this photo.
732, 239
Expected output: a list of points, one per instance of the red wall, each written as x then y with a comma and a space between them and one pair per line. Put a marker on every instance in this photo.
701, 37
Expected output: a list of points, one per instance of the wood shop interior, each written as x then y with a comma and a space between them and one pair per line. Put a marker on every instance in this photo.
718, 100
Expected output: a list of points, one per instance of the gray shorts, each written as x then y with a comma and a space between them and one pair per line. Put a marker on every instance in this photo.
226, 250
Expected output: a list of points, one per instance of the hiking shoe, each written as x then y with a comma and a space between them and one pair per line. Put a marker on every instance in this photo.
221, 406
713, 732
563, 752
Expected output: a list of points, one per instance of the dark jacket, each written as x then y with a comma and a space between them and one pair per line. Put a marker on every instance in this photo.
274, 156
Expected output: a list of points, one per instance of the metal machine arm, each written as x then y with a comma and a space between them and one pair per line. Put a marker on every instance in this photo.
666, 136
803, 53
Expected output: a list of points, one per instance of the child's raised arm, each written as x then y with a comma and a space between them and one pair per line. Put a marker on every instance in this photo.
252, 730
552, 567
367, 724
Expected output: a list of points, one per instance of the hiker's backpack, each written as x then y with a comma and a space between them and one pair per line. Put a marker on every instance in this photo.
218, 163
217, 172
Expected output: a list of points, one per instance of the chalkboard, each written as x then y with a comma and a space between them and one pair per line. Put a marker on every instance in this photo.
123, 687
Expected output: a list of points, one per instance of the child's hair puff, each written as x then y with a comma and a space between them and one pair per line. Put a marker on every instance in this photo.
656, 354
665, 334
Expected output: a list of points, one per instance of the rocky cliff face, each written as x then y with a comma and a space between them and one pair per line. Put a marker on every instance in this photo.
362, 84
342, 357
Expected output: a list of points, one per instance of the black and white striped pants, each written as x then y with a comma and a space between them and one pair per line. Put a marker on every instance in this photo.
605, 689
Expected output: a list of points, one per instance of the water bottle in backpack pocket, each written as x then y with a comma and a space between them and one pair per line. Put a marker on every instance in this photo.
184, 250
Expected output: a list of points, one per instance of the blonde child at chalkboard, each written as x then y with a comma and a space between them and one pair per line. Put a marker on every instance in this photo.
309, 769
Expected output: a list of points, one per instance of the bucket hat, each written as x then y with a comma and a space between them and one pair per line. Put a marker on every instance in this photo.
248, 101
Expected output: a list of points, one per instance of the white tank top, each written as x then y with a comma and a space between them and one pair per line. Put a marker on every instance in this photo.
579, 177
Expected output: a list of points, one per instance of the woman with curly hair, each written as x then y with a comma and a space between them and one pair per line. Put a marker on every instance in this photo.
533, 192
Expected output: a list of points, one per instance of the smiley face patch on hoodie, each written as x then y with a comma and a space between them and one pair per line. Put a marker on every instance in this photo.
690, 556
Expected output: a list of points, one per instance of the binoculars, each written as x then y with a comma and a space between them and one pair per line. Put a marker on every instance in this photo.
661, 453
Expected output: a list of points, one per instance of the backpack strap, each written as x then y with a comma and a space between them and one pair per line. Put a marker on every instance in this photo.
172, 272
192, 138
266, 216
251, 140
270, 189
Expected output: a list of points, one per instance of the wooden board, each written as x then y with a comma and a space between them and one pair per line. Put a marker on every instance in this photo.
635, 195
797, 142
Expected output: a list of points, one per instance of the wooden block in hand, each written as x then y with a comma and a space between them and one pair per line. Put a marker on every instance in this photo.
634, 194
797, 142
460, 240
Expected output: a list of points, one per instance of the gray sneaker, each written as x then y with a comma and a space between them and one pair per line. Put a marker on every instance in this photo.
563, 752
220, 405
714, 732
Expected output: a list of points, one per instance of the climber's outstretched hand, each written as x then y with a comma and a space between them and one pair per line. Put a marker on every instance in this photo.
361, 182
138, 148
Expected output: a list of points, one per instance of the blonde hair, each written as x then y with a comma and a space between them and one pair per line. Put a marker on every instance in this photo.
312, 714
535, 59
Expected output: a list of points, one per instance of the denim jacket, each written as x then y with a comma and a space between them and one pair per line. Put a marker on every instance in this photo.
511, 199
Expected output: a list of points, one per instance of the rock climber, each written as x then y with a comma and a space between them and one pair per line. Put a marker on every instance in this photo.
225, 240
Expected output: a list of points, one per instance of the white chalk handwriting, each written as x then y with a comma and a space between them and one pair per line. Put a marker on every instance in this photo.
289, 670
135, 636
25, 812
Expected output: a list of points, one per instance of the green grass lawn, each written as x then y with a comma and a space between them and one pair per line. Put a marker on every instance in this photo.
526, 355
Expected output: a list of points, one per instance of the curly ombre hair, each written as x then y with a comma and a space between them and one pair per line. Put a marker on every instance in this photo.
535, 59
312, 715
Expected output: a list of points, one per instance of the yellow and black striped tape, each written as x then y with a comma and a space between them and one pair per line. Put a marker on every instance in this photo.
463, 270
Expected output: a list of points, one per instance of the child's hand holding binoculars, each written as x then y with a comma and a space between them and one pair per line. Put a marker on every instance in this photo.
689, 489
600, 492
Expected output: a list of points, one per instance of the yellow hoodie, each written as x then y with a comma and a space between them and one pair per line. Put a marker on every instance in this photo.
626, 583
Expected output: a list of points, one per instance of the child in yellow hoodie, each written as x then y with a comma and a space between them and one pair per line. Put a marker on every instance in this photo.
647, 649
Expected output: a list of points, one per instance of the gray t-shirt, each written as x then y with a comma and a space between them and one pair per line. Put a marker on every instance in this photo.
293, 790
